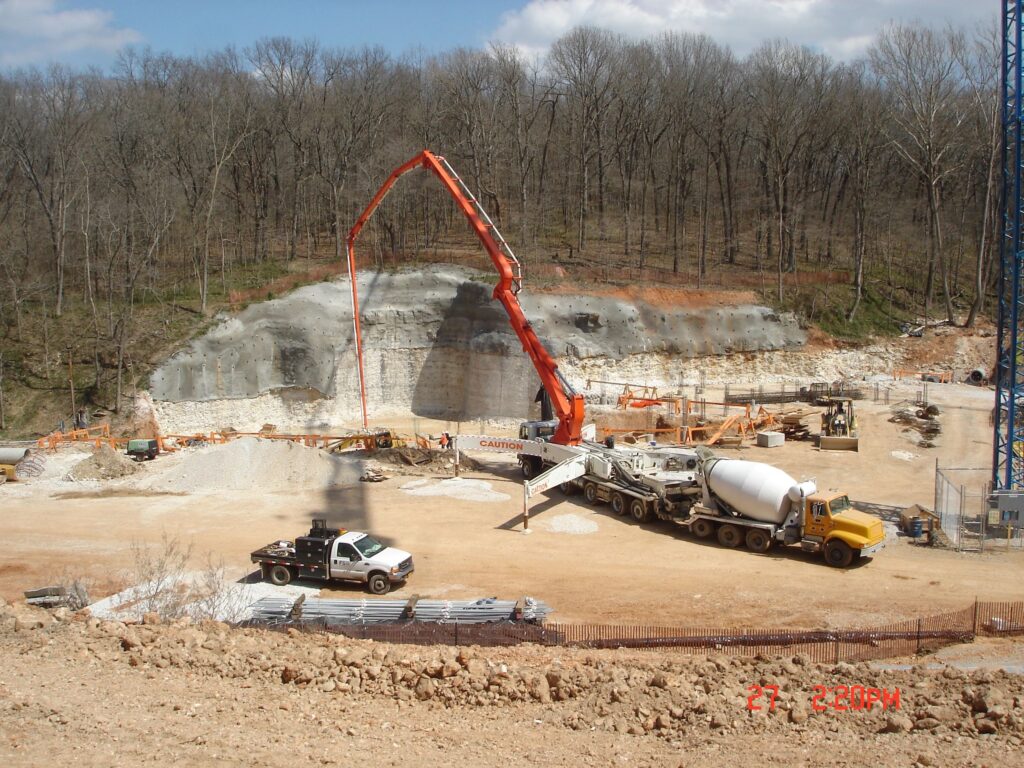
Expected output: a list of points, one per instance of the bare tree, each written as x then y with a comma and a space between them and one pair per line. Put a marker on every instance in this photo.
978, 58
46, 132
918, 68
582, 62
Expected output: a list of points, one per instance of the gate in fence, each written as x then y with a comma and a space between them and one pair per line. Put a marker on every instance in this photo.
961, 503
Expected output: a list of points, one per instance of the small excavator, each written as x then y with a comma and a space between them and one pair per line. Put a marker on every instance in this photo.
839, 426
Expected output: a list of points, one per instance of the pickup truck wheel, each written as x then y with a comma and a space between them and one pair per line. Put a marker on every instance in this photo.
618, 504
729, 536
702, 528
638, 510
758, 540
838, 553
590, 493
378, 584
280, 575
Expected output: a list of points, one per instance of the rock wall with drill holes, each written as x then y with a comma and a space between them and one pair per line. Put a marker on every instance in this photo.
434, 344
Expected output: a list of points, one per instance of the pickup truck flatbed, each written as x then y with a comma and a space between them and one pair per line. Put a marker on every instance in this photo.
334, 554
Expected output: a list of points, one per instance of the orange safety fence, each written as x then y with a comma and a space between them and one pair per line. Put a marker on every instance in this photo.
100, 435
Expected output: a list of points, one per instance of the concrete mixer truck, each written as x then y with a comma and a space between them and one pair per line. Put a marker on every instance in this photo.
746, 502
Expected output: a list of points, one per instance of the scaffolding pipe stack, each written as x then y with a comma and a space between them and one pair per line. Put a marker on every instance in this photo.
279, 610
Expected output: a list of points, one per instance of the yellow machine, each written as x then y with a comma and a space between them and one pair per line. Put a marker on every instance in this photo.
839, 426
7, 472
840, 531
371, 441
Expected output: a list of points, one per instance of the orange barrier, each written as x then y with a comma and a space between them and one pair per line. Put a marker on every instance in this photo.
100, 435
89, 434
745, 426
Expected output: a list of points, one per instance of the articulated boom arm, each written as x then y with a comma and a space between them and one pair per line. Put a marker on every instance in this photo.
567, 404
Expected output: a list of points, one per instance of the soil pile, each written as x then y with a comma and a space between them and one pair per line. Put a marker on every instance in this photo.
252, 464
653, 696
104, 464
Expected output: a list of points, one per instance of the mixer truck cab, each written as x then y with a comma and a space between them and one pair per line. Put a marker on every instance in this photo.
843, 533
746, 502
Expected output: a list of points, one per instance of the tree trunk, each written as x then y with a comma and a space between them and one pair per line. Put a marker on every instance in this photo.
979, 264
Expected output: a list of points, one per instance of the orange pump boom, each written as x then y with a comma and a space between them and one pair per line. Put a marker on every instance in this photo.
565, 401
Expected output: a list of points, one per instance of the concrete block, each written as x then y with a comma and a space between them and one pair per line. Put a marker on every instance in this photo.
770, 439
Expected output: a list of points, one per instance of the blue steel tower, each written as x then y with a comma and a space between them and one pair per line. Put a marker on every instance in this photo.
1008, 461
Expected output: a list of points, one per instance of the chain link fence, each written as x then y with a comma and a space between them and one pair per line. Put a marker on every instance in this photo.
962, 506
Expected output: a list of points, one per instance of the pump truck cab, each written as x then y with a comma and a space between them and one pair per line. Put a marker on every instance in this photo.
334, 554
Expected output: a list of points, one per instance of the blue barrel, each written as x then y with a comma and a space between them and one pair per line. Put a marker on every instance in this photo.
916, 526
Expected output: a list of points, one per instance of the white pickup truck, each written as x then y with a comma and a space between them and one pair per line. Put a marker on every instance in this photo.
334, 554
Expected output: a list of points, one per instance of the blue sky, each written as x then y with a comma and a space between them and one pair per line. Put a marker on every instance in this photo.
90, 32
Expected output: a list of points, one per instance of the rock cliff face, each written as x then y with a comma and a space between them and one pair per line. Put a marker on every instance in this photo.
435, 345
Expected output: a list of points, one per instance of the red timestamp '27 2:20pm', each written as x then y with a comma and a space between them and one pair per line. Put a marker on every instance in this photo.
840, 698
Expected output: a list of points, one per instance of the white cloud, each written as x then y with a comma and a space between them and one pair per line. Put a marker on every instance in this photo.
38, 31
841, 28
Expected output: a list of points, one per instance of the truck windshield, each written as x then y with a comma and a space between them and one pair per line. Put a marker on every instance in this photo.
369, 546
840, 504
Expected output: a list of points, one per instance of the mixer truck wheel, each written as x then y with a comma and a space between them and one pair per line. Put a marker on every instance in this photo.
758, 540
702, 528
838, 554
639, 511
618, 504
590, 493
729, 536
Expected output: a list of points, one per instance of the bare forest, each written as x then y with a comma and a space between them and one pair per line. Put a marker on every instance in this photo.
137, 202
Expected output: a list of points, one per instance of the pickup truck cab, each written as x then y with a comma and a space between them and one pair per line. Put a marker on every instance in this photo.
334, 554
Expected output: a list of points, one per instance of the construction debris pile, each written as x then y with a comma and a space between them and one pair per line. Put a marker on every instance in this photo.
664, 696
104, 464
793, 422
421, 460
924, 419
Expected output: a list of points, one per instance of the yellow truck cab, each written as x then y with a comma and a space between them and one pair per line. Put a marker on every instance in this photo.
843, 533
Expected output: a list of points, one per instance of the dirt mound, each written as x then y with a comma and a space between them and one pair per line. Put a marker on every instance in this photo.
252, 464
658, 697
104, 464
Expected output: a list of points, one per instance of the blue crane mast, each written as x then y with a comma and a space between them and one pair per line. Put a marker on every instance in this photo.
1008, 459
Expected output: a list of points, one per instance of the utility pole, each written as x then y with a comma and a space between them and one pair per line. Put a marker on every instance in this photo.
3, 419
71, 384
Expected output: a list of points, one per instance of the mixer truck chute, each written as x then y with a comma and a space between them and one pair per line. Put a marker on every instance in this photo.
746, 502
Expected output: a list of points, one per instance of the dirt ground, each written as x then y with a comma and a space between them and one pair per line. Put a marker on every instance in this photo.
208, 695
589, 565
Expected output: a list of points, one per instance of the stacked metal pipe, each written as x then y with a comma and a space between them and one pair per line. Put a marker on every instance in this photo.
367, 611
